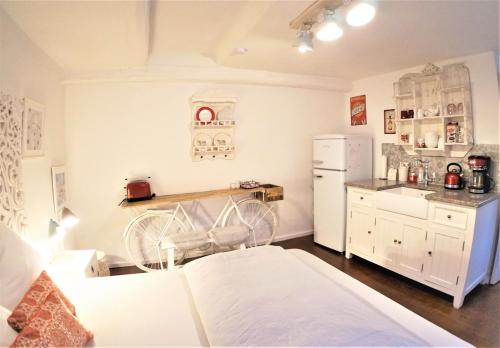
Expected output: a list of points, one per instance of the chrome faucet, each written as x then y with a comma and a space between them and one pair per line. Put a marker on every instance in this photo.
426, 180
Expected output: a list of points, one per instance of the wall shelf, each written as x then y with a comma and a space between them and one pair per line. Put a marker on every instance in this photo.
213, 139
439, 93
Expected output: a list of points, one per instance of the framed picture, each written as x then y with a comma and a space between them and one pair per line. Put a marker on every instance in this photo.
59, 189
390, 121
33, 128
358, 110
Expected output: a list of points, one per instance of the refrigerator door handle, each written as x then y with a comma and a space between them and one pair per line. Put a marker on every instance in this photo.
318, 176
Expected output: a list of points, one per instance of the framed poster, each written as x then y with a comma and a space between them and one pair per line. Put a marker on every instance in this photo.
390, 121
358, 110
32, 128
59, 189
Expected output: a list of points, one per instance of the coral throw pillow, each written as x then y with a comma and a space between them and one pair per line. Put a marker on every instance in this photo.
52, 325
33, 299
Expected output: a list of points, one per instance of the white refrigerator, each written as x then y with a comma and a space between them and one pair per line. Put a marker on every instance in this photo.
337, 158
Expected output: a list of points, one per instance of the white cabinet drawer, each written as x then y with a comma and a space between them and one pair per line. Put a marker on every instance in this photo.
450, 216
362, 197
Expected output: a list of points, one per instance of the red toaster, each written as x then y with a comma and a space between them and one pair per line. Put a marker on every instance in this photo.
138, 190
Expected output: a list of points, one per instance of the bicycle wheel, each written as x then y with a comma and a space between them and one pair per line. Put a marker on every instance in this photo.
145, 239
258, 216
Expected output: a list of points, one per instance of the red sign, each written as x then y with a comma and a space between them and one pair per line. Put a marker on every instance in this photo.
358, 110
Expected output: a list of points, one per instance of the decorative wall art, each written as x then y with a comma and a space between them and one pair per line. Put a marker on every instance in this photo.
11, 193
32, 128
59, 189
358, 110
390, 121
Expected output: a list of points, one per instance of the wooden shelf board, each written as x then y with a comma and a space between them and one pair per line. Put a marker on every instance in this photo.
404, 119
191, 196
428, 149
403, 96
453, 88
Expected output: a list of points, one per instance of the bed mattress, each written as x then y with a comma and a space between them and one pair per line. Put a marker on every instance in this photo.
264, 296
141, 310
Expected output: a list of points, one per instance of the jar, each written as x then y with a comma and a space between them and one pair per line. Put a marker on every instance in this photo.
452, 132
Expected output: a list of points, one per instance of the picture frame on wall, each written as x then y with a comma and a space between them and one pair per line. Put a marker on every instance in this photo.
59, 189
390, 121
358, 110
33, 128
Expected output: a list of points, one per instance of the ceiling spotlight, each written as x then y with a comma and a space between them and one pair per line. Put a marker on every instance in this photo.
360, 14
304, 40
329, 30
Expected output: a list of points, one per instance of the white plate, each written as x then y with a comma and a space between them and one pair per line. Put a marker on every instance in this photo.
222, 139
202, 139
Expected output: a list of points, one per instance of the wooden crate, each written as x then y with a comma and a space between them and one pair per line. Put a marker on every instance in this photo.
270, 193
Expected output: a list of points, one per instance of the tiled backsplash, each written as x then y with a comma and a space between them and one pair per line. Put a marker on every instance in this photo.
396, 154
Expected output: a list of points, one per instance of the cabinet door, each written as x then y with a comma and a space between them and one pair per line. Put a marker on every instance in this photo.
361, 230
387, 232
412, 247
444, 256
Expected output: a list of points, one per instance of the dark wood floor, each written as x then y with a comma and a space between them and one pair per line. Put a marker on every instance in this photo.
477, 322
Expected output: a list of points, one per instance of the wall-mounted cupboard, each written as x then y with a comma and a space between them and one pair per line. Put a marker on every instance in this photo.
434, 111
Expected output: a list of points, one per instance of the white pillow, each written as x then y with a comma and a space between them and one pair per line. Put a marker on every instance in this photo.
7, 334
20, 264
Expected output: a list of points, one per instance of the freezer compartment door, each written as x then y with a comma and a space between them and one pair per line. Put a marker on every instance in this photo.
329, 208
329, 153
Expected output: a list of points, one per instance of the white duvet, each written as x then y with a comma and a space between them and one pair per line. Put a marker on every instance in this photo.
267, 297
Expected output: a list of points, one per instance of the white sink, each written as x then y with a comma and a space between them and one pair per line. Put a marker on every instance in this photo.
404, 200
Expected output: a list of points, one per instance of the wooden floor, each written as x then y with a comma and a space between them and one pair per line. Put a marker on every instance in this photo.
477, 322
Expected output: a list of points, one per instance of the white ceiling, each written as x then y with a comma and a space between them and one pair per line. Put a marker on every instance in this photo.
85, 35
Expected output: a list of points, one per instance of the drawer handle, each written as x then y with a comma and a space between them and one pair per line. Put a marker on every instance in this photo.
92, 269
361, 198
399, 242
430, 253
369, 232
448, 216
395, 241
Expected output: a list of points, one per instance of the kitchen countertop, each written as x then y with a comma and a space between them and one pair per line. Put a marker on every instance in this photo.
458, 197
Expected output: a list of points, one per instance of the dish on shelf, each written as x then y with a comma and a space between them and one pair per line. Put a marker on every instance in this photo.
205, 114
222, 139
202, 139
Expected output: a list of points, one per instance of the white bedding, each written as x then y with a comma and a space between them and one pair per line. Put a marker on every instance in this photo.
270, 297
147, 309
261, 296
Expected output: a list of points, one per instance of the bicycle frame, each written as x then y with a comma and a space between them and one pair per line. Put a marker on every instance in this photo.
180, 209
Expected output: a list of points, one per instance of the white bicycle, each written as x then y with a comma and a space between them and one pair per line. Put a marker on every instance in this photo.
158, 239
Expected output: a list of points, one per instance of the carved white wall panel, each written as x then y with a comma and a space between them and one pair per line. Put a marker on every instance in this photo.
11, 193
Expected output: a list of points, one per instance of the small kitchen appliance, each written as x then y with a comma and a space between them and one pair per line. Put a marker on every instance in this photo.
453, 179
480, 181
139, 190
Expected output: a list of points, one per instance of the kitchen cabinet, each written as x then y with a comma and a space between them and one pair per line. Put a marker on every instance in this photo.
449, 251
444, 256
362, 224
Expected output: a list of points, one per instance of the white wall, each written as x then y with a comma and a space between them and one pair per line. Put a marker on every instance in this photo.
25, 71
379, 96
123, 129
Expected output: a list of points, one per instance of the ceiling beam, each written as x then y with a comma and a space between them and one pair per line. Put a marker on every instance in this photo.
246, 19
311, 13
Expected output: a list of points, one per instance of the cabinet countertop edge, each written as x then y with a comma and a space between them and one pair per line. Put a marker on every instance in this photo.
457, 197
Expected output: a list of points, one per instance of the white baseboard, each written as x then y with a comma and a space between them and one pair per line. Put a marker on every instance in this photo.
126, 263
293, 235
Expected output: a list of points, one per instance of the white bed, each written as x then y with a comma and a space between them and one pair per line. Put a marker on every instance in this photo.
256, 297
